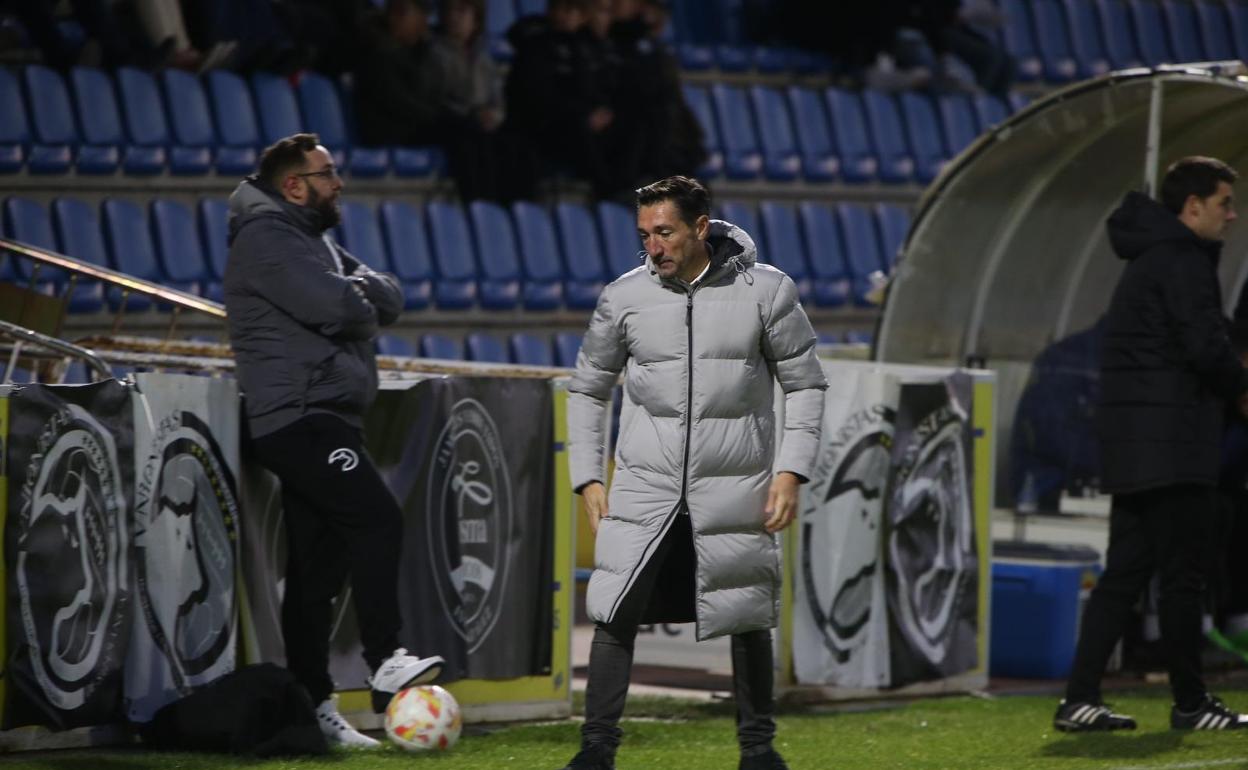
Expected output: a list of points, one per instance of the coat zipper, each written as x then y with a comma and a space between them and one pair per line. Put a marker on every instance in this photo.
684, 480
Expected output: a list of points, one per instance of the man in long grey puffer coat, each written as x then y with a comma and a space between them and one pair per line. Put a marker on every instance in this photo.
702, 333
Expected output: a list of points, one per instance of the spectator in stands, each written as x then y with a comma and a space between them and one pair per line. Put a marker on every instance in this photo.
673, 143
723, 497
303, 314
113, 39
1168, 372
555, 101
487, 162
397, 95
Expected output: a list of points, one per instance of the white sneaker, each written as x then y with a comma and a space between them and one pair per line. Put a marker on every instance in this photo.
401, 670
338, 731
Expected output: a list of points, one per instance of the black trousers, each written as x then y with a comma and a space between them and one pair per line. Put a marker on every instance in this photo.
341, 520
611, 655
1169, 531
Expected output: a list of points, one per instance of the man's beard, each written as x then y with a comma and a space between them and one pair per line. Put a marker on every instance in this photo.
326, 206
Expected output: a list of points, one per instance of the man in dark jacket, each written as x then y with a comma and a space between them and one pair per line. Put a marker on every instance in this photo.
1167, 374
396, 81
302, 317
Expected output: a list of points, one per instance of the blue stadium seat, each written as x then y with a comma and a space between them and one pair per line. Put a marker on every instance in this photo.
238, 131
772, 60
853, 137
820, 162
178, 246
483, 346
1053, 37
582, 256
434, 345
1120, 45
500, 287
888, 135
1215, 30
404, 228
213, 231
862, 246
699, 102
146, 125
783, 246
893, 222
539, 256
923, 130
361, 235
859, 337
1018, 101
742, 159
781, 161
1238, 12
1150, 32
1184, 28
733, 58
451, 242
744, 216
324, 114
499, 16
395, 345
27, 221
1020, 40
957, 118
130, 248
1086, 41
102, 134
989, 111
78, 231
530, 8
14, 129
52, 121
190, 117
567, 346
619, 238
695, 57
277, 107
531, 350
831, 279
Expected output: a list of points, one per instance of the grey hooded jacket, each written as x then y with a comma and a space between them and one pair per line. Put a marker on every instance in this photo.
697, 425
301, 326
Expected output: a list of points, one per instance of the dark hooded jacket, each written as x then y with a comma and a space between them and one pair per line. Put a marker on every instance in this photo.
302, 329
1168, 370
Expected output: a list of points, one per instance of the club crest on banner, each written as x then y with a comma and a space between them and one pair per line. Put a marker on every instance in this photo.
71, 544
469, 520
932, 531
186, 533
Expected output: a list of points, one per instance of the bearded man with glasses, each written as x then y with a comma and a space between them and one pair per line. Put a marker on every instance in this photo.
302, 314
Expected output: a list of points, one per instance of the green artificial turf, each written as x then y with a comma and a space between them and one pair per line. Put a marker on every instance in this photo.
1008, 733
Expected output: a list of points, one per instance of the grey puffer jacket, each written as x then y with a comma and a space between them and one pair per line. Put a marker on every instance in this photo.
697, 425
301, 327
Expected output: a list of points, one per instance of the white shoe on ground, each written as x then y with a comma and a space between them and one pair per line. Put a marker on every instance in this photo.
338, 731
401, 670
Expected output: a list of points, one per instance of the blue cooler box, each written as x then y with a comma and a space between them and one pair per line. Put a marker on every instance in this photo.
1037, 601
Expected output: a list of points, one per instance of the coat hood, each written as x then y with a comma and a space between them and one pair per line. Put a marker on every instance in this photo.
252, 199
1140, 223
730, 245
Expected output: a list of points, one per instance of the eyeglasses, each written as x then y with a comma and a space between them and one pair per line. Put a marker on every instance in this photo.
330, 173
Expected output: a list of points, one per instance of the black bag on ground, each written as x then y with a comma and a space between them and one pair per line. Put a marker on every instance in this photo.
259, 710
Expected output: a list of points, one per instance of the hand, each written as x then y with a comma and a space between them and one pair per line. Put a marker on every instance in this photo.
489, 119
781, 501
600, 118
594, 495
1243, 404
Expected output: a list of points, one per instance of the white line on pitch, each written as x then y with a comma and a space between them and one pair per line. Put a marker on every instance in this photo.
1187, 765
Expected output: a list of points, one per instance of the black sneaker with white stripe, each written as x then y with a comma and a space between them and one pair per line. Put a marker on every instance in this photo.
1089, 717
1212, 715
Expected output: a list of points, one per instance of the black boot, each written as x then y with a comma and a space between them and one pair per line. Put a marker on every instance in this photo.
592, 757
767, 760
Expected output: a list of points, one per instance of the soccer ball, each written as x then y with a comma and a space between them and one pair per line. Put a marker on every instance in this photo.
423, 718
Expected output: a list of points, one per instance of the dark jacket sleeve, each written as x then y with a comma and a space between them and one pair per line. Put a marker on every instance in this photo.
1190, 293
281, 268
380, 289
